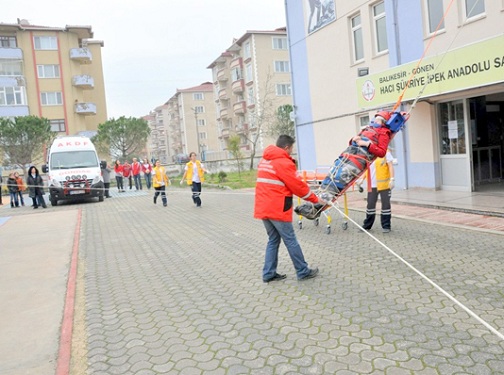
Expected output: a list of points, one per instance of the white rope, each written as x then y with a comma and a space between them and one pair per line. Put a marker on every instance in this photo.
453, 299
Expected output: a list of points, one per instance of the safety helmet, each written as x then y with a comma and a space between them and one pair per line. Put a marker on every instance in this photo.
385, 114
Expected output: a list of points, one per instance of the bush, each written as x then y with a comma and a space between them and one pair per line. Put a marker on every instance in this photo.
222, 176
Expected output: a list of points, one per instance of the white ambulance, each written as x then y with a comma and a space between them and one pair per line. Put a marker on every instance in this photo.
74, 170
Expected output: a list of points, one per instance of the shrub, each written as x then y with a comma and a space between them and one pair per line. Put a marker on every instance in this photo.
222, 176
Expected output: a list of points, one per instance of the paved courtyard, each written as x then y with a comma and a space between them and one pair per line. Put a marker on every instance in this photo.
178, 290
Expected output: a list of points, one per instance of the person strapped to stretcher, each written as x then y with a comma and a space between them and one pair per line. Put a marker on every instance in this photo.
364, 148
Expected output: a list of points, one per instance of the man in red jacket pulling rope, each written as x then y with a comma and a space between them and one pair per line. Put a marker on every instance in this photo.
277, 182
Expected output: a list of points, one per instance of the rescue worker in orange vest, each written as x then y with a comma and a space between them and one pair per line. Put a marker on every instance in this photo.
380, 182
194, 174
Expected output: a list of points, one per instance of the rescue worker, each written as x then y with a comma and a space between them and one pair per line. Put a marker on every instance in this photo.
277, 182
194, 174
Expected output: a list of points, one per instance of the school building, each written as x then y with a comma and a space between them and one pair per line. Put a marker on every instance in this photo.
350, 60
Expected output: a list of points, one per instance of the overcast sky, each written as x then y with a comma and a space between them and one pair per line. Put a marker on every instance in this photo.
153, 47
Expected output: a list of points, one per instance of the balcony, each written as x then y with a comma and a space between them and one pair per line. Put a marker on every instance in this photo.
224, 113
11, 53
84, 81
238, 86
85, 108
12, 81
225, 132
223, 94
239, 108
221, 75
237, 62
82, 55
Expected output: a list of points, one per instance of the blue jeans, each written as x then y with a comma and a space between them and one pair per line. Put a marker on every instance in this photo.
148, 180
282, 230
138, 181
14, 199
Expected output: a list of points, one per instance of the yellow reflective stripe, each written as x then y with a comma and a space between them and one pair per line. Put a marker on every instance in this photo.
270, 181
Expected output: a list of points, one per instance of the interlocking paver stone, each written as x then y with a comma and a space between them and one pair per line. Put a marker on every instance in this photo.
182, 293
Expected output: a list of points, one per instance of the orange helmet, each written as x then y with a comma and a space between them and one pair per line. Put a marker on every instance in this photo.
386, 115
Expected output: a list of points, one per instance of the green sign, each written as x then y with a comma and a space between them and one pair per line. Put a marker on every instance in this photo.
475, 65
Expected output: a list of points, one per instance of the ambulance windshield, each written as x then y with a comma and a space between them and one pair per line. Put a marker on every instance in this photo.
74, 159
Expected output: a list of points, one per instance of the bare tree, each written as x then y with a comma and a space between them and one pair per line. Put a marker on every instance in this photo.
234, 147
261, 118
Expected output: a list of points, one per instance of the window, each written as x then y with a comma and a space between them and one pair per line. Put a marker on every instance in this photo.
246, 50
282, 67
45, 42
202, 135
474, 8
279, 43
10, 68
380, 27
201, 122
363, 121
12, 96
199, 109
248, 72
283, 89
51, 98
451, 117
435, 12
250, 96
8, 42
198, 96
236, 74
358, 44
48, 71
57, 125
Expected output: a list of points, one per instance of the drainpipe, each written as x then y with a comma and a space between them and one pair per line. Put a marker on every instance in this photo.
395, 4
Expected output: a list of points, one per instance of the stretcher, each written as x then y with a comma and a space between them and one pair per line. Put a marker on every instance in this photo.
345, 171
314, 180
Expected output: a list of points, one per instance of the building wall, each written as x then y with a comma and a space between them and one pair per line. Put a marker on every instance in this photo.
66, 39
326, 95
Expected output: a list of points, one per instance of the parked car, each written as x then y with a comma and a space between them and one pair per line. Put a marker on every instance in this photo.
181, 158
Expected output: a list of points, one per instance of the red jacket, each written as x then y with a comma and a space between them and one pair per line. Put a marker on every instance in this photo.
276, 183
380, 138
146, 168
126, 169
136, 168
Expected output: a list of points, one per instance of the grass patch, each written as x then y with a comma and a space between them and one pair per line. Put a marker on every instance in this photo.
246, 179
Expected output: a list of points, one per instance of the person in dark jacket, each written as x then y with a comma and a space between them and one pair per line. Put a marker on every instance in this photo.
276, 184
35, 187
13, 188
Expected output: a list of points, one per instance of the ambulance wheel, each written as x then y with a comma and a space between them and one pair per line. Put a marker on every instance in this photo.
316, 222
300, 224
344, 225
328, 229
100, 198
54, 202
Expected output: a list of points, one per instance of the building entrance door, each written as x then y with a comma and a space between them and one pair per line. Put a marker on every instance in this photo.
487, 129
455, 146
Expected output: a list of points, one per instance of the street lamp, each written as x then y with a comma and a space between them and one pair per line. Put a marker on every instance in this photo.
197, 130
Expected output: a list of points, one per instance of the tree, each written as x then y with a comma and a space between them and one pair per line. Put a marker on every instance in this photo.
234, 147
283, 124
122, 138
23, 140
261, 117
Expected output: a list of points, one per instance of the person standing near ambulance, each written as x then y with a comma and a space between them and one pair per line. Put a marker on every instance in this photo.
194, 174
380, 181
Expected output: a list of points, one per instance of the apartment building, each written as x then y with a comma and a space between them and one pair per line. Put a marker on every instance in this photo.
349, 60
158, 143
191, 123
52, 72
251, 81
